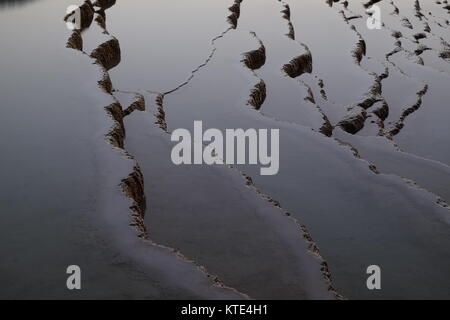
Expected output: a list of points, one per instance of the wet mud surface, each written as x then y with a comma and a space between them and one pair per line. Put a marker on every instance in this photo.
364, 160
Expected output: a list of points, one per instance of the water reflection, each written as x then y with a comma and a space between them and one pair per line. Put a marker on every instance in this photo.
6, 4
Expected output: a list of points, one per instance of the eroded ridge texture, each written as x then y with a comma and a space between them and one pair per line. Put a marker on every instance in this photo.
363, 114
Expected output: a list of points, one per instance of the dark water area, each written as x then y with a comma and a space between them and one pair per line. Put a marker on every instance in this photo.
5, 4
